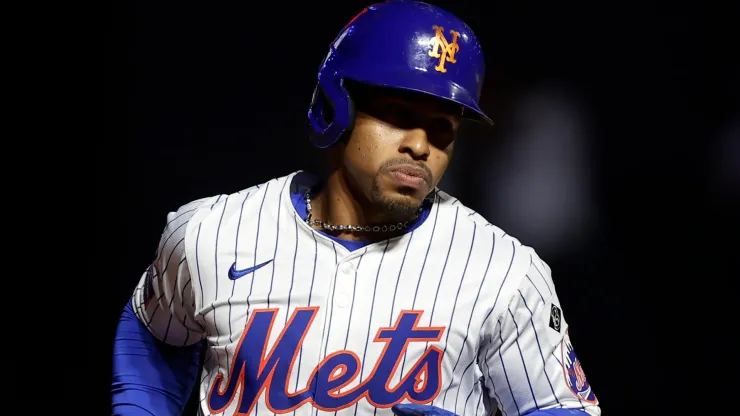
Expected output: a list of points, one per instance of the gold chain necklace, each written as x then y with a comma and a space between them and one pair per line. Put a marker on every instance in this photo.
357, 228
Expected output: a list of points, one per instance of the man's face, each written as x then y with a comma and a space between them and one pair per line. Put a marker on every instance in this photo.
399, 148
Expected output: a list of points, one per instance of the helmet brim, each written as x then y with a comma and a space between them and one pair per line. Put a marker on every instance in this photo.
429, 85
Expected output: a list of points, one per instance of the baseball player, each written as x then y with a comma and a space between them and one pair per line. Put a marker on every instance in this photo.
367, 291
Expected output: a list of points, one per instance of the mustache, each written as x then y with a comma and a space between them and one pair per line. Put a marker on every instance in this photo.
400, 161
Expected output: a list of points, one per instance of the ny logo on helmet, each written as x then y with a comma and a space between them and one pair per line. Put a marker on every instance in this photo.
443, 49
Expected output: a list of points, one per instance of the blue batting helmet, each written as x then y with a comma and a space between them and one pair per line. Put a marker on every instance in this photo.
401, 44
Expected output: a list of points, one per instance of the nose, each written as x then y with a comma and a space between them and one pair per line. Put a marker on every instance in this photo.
416, 144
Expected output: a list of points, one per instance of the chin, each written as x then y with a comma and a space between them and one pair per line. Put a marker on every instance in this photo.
401, 205
399, 201
412, 201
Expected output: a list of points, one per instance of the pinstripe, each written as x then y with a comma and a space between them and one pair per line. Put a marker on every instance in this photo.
444, 268
506, 375
236, 257
524, 363
539, 346
418, 282
256, 242
277, 243
470, 319
310, 292
372, 305
215, 266
172, 300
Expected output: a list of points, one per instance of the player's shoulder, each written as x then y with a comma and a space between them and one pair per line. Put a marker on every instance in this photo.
454, 207
521, 254
511, 260
220, 208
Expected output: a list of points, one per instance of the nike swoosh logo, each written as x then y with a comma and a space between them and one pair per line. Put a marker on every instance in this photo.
235, 274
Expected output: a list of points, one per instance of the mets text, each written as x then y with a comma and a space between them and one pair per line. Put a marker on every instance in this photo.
256, 371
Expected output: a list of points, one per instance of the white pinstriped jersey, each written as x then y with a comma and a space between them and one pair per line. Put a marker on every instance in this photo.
454, 313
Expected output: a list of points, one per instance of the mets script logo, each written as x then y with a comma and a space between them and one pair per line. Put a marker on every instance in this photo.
575, 377
255, 370
443, 49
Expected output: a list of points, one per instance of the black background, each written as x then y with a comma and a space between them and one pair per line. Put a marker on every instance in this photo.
206, 98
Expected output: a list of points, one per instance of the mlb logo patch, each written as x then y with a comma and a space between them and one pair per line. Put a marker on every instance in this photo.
149, 284
556, 317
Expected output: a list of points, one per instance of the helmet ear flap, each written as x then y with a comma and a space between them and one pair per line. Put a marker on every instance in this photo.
332, 111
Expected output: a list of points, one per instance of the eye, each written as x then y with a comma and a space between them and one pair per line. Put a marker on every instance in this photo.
397, 114
440, 132
440, 126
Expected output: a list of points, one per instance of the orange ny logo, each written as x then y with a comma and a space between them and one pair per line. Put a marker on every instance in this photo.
443, 49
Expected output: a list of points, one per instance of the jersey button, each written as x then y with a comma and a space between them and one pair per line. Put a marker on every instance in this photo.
348, 268
341, 300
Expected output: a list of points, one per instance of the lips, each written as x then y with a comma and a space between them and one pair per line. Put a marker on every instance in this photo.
410, 175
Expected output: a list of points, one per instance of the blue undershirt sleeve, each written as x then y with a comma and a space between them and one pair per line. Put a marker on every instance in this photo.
149, 376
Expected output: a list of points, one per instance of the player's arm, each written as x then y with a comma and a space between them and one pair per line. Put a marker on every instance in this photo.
149, 376
158, 340
527, 360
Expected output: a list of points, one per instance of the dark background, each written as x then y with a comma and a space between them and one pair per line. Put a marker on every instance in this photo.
615, 154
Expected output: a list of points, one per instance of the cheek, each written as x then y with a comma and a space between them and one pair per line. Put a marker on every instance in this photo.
360, 154
438, 163
368, 146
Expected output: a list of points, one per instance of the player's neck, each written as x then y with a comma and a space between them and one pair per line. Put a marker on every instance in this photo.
338, 203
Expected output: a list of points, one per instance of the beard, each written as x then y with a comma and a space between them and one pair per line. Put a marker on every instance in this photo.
398, 208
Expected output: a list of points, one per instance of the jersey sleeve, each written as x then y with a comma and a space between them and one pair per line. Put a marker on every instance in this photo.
164, 298
528, 362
